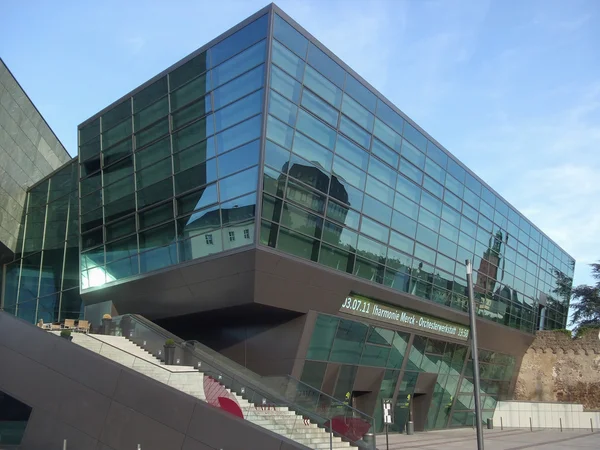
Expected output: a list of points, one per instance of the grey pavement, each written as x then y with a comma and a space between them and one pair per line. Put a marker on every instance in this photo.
507, 439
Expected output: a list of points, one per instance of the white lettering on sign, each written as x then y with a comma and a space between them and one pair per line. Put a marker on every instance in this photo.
362, 306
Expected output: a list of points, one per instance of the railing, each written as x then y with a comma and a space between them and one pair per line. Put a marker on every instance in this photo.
263, 393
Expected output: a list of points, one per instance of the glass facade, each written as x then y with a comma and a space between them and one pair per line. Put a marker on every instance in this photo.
402, 356
351, 184
42, 283
170, 174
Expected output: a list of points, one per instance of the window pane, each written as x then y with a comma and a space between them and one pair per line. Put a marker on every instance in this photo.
298, 244
360, 93
154, 173
285, 85
436, 154
239, 64
402, 242
411, 153
238, 111
238, 41
322, 87
194, 155
196, 132
279, 132
287, 60
150, 134
318, 107
305, 196
119, 170
387, 135
195, 176
379, 190
239, 134
289, 36
150, 94
116, 114
151, 114
349, 173
282, 108
312, 151
238, 159
377, 210
190, 92
325, 65
374, 229
239, 87
355, 132
382, 172
117, 133
352, 152
188, 71
390, 117
408, 189
238, 184
193, 112
301, 221
316, 129
357, 113
385, 153
415, 137
411, 171
403, 224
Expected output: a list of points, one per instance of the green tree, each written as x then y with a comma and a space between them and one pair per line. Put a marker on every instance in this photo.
586, 302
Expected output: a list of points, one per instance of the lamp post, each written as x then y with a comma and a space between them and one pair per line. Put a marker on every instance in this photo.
474, 354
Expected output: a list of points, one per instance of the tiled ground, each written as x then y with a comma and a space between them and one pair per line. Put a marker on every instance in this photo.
508, 439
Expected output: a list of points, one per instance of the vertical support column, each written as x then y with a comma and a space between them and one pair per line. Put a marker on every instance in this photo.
475, 355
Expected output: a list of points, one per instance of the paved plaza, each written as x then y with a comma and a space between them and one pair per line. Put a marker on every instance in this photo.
508, 439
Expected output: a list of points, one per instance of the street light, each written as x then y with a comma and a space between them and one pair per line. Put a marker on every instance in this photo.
475, 354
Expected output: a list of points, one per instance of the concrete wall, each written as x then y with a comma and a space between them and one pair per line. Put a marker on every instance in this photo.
558, 368
29, 151
97, 404
545, 415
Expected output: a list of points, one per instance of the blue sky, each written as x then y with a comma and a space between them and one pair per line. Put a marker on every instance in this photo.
512, 88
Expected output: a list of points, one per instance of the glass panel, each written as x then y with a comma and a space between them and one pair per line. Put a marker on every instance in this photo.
116, 114
238, 41
415, 137
289, 36
385, 153
153, 153
325, 65
236, 160
238, 111
117, 152
318, 107
349, 341
188, 71
150, 134
198, 175
122, 169
352, 152
238, 184
357, 113
287, 60
282, 108
117, 133
355, 132
239, 64
193, 112
389, 116
151, 114
298, 244
279, 132
312, 152
377, 210
348, 173
150, 94
239, 134
322, 87
239, 87
360, 93
285, 85
316, 129
387, 135
154, 173
190, 92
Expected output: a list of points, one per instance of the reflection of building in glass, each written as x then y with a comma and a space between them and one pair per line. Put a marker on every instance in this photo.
242, 194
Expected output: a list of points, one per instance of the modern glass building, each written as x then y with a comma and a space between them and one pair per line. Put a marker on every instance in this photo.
261, 191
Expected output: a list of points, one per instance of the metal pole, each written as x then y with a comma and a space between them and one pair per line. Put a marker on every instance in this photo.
475, 355
387, 441
530, 425
560, 420
591, 425
65, 444
330, 435
501, 424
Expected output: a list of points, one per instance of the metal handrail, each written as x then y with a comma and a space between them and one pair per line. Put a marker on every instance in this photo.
252, 380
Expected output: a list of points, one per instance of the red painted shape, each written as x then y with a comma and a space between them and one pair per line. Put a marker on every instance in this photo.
231, 407
218, 396
352, 428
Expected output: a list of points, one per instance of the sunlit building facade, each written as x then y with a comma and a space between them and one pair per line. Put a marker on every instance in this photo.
261, 191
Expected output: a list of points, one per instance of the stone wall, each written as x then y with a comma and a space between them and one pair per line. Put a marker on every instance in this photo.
29, 151
558, 368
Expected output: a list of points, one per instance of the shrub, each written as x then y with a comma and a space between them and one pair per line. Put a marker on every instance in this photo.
169, 343
65, 333
565, 332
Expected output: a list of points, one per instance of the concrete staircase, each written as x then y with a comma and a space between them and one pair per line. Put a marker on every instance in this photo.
280, 420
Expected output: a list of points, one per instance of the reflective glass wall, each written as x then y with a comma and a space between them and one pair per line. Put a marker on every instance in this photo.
350, 184
170, 173
403, 357
43, 283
